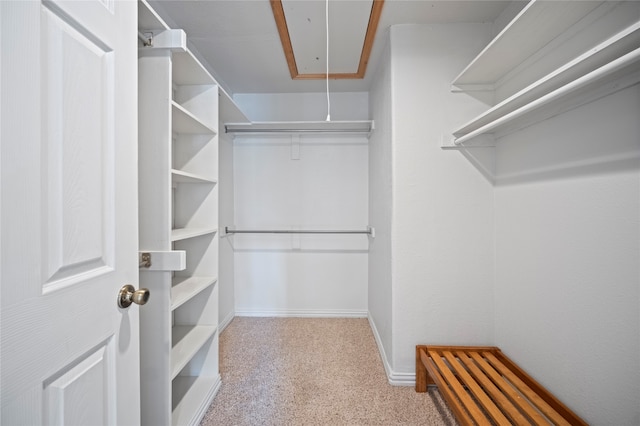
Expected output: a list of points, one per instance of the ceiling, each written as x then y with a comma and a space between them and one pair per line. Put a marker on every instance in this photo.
240, 39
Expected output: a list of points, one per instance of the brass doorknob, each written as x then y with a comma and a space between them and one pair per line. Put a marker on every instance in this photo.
128, 295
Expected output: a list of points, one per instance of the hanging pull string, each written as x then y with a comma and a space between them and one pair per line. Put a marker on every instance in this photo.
326, 14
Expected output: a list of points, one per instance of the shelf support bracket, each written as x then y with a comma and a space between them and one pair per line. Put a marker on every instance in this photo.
486, 140
145, 260
175, 40
174, 260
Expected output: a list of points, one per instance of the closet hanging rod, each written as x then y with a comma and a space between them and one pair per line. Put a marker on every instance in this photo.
146, 39
368, 231
362, 127
229, 130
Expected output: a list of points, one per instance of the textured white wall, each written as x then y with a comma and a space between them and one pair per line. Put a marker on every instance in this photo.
442, 242
326, 188
380, 208
567, 206
303, 106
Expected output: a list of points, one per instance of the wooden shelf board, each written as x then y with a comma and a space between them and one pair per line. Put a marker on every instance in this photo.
178, 176
185, 288
185, 233
186, 340
514, 44
191, 398
185, 122
611, 49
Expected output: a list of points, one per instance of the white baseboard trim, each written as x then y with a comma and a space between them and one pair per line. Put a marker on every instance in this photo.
395, 379
206, 402
303, 313
402, 379
225, 322
383, 355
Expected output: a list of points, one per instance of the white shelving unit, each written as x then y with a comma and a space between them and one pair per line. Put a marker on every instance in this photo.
608, 65
178, 192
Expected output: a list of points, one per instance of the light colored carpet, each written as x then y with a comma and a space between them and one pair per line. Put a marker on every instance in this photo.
312, 371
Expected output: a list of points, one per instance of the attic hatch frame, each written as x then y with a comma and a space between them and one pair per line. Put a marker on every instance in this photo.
283, 31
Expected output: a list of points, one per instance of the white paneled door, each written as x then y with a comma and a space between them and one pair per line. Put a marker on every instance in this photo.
68, 167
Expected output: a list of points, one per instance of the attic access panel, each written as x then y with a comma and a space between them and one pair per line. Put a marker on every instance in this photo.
302, 29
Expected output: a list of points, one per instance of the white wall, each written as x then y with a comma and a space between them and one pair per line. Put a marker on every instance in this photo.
380, 209
303, 106
442, 206
324, 187
567, 206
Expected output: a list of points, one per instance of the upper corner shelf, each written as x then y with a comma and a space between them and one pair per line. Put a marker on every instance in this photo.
357, 127
611, 61
515, 43
148, 19
187, 69
501, 120
229, 110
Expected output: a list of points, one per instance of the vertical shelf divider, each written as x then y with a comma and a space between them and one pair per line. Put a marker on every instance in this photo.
178, 205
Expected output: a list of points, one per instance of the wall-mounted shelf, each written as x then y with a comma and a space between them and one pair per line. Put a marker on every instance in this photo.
185, 288
608, 67
186, 233
229, 110
610, 64
616, 75
187, 341
352, 127
178, 176
187, 70
148, 19
515, 43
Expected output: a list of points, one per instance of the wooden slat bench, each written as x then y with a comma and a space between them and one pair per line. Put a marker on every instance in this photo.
484, 387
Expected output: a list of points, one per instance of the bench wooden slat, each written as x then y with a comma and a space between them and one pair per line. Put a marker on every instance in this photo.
554, 402
499, 397
442, 348
469, 404
452, 400
514, 396
476, 390
480, 383
541, 404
